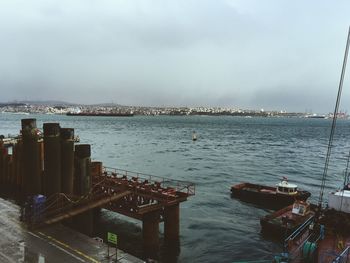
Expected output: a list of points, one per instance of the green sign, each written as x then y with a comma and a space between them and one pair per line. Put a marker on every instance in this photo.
112, 238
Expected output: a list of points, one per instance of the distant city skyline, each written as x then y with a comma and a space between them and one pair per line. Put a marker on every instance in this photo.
251, 54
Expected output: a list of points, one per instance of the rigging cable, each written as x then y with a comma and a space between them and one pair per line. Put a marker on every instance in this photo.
330, 142
346, 178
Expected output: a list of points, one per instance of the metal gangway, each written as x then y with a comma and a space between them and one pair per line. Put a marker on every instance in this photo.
130, 193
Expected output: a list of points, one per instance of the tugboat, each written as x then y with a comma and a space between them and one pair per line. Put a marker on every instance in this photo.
282, 195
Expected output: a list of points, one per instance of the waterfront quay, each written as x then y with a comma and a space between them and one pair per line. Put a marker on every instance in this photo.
55, 181
55, 243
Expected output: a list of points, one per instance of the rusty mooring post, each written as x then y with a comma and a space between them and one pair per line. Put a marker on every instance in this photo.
41, 162
5, 170
52, 158
14, 167
67, 160
82, 169
10, 172
82, 181
31, 158
96, 168
172, 224
150, 233
18, 162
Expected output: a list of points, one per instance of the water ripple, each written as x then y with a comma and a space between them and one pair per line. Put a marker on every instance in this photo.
229, 150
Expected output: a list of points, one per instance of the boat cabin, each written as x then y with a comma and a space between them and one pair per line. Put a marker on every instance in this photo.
286, 188
300, 208
340, 200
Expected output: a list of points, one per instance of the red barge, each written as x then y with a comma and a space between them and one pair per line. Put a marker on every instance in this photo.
284, 194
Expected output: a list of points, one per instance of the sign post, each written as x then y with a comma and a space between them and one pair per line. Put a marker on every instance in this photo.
113, 239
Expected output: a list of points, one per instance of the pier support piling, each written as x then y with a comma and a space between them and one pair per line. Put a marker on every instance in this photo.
7, 168
172, 224
150, 233
10, 173
67, 160
18, 162
82, 169
82, 180
31, 158
3, 154
96, 168
52, 158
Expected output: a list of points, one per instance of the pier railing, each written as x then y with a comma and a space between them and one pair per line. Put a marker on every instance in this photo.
179, 186
126, 192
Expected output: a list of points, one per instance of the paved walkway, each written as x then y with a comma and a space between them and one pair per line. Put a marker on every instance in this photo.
51, 244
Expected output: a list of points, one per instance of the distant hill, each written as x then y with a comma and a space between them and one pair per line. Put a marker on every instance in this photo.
57, 103
40, 102
106, 105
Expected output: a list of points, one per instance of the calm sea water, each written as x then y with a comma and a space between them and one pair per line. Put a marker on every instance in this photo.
229, 150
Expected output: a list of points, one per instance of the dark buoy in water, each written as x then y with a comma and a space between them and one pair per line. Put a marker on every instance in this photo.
194, 136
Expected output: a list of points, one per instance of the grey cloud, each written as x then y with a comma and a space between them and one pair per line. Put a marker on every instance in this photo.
188, 52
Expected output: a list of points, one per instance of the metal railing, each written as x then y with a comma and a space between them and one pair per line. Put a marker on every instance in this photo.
298, 231
180, 186
343, 256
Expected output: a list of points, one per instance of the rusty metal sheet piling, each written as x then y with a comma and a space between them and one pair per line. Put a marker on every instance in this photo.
172, 224
82, 169
150, 233
52, 158
2, 157
82, 181
6, 170
67, 160
18, 162
31, 158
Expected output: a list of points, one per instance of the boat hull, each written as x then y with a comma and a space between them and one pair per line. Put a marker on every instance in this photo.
282, 223
266, 196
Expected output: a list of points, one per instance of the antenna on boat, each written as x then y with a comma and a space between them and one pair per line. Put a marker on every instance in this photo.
330, 142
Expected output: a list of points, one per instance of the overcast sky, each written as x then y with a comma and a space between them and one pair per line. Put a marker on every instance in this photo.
276, 54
